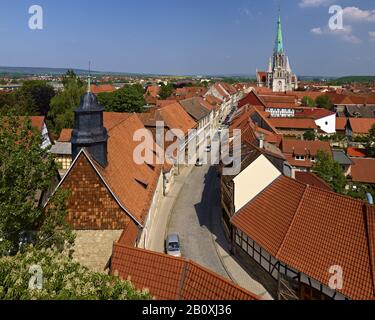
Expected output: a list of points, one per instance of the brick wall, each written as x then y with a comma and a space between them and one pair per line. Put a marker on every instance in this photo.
91, 206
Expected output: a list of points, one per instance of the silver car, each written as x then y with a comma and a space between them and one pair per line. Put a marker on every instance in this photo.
172, 245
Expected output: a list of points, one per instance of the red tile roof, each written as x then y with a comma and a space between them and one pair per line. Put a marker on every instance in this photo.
314, 113
361, 125
356, 152
341, 124
175, 117
251, 99
311, 94
102, 88
213, 100
300, 147
293, 123
311, 230
292, 148
279, 100
313, 180
170, 278
65, 135
133, 184
153, 91
363, 170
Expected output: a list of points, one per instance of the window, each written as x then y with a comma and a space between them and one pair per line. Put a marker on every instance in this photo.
300, 158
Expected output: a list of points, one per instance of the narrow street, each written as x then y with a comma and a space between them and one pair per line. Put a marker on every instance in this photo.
193, 218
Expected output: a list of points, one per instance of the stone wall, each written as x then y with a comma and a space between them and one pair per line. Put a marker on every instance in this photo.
93, 248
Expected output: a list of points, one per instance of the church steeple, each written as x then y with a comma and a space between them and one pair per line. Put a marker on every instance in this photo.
89, 131
279, 45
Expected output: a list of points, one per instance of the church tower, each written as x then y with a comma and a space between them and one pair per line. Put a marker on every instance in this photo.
89, 131
279, 76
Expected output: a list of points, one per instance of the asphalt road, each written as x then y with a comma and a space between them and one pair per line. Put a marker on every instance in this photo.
193, 216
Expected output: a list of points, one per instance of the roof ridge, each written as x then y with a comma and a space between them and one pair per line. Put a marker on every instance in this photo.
293, 220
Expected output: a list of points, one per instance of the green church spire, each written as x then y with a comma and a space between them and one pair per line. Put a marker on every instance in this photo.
279, 46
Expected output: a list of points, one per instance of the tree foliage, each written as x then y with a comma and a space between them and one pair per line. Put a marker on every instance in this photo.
370, 143
27, 171
33, 98
324, 102
40, 93
166, 91
330, 171
308, 102
127, 99
309, 135
61, 114
62, 279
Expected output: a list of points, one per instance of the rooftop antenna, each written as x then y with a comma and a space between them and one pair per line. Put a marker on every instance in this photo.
89, 79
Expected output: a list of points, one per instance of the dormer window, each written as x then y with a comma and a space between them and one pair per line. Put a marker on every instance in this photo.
300, 158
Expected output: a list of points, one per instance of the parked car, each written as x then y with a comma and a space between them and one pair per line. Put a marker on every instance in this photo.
199, 163
208, 148
172, 245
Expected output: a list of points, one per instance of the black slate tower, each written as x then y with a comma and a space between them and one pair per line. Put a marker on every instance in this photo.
89, 131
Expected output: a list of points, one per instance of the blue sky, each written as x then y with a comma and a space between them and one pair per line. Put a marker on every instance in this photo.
188, 37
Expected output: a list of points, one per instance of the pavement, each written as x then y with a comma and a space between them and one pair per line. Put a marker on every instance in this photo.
193, 210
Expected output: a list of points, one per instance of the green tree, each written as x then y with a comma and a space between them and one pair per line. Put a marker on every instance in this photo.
127, 99
324, 102
27, 171
62, 279
166, 91
61, 114
308, 102
370, 143
40, 92
309, 135
330, 171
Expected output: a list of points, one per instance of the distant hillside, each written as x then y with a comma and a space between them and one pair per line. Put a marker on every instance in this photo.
356, 79
21, 71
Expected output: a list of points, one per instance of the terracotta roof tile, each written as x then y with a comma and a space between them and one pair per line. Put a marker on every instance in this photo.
153, 91
102, 88
65, 135
170, 278
341, 123
311, 229
300, 147
361, 125
252, 99
122, 174
363, 170
293, 123
313, 180
356, 152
